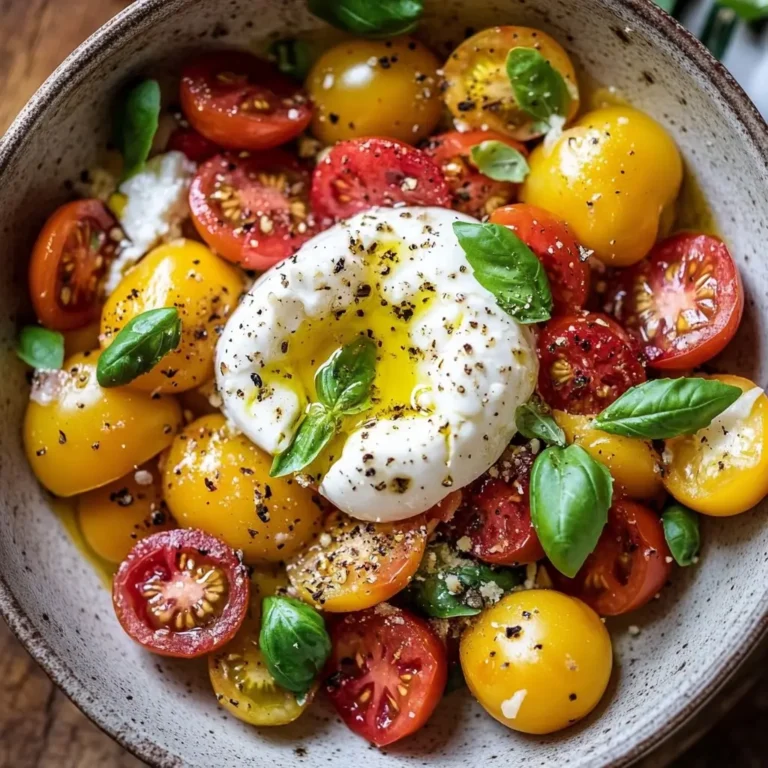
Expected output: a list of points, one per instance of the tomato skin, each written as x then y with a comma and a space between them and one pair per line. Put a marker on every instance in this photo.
586, 362
73, 224
686, 273
629, 565
389, 647
473, 192
556, 248
195, 146
239, 101
359, 174
175, 558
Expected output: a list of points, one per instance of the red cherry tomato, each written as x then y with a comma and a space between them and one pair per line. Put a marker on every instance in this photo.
444, 510
629, 565
685, 300
69, 261
181, 593
253, 210
239, 101
557, 249
196, 147
496, 515
586, 361
473, 192
387, 672
362, 173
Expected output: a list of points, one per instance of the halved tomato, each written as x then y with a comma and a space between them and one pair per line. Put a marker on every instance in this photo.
69, 261
181, 593
496, 515
557, 249
586, 361
387, 673
362, 173
685, 300
629, 565
473, 192
195, 146
239, 101
253, 208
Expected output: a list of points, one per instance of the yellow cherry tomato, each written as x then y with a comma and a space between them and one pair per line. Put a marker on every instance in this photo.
204, 288
78, 436
537, 661
478, 91
613, 177
219, 482
722, 470
82, 339
113, 518
375, 88
634, 464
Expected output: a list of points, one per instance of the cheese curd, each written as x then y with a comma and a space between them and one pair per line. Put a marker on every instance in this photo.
452, 366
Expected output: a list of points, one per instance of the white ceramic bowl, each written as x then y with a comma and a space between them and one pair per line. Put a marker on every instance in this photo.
691, 640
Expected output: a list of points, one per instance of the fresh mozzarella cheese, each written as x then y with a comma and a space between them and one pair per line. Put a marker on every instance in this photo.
451, 370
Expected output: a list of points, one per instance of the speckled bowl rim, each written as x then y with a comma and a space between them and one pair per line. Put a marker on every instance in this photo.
69, 76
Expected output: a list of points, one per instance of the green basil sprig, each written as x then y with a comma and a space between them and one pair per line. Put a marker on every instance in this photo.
534, 422
343, 387
139, 347
540, 90
136, 121
666, 408
749, 10
508, 268
294, 642
41, 348
448, 585
293, 57
570, 497
381, 18
499, 161
681, 530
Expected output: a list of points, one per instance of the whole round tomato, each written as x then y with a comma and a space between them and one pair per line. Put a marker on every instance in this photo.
556, 248
387, 673
629, 565
685, 300
239, 101
181, 593
69, 261
253, 209
473, 192
586, 362
496, 515
362, 173
195, 146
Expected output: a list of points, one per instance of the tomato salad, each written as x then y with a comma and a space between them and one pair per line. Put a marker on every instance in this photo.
471, 308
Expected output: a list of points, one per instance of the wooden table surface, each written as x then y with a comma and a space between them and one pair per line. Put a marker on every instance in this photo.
39, 726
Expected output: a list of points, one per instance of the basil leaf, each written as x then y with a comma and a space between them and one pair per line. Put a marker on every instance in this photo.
749, 10
499, 161
313, 434
293, 57
535, 423
570, 497
136, 124
508, 268
540, 90
294, 642
344, 382
381, 18
668, 5
139, 347
665, 408
681, 530
41, 348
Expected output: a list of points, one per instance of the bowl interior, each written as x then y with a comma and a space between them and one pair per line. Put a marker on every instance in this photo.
164, 710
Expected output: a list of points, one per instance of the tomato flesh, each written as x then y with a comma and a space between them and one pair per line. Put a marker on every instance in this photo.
69, 261
239, 101
387, 673
181, 593
629, 565
685, 301
362, 173
196, 147
586, 361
